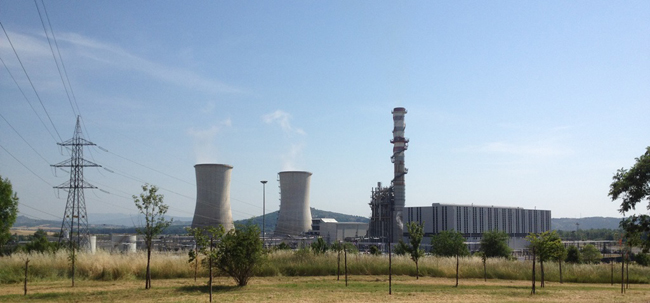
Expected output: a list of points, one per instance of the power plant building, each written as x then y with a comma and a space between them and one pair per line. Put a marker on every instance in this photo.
213, 196
333, 231
473, 220
294, 217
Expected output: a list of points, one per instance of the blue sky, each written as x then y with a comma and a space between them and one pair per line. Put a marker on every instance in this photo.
510, 103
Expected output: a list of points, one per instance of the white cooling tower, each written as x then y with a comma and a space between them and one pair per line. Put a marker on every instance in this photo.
213, 196
295, 216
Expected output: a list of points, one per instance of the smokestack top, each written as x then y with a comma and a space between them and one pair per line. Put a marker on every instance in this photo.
213, 164
399, 109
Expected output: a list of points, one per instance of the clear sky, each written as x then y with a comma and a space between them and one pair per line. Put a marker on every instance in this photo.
510, 103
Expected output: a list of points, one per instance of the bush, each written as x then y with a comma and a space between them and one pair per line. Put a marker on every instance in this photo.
591, 255
573, 255
642, 259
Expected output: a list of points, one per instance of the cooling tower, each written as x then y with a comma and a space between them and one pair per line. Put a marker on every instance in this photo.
295, 216
400, 144
212, 196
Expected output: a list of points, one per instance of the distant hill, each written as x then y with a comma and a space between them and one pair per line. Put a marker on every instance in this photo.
272, 218
569, 224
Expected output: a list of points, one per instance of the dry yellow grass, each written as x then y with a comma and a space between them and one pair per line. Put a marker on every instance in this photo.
322, 289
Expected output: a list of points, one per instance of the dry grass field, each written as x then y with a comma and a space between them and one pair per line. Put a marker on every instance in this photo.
362, 288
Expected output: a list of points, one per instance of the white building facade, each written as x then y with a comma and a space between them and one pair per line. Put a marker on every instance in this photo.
473, 220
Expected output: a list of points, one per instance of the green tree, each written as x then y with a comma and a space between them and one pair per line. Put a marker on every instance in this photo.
205, 239
151, 205
416, 233
8, 211
547, 246
591, 255
448, 244
633, 186
40, 244
241, 253
374, 250
319, 246
642, 259
494, 244
573, 255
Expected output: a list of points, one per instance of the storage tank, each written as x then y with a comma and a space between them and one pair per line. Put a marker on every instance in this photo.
124, 243
294, 217
213, 196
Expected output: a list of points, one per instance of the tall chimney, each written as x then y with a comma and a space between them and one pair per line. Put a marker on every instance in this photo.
400, 144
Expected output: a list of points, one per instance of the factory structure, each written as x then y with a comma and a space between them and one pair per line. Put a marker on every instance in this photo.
389, 214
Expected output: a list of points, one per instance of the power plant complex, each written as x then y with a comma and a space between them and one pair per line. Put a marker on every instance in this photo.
389, 213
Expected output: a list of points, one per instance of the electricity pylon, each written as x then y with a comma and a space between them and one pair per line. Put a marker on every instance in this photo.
75, 208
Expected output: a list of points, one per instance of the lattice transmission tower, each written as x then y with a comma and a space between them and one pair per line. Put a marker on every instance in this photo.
75, 208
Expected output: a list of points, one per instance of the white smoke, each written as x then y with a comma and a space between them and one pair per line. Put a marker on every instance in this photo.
205, 147
294, 156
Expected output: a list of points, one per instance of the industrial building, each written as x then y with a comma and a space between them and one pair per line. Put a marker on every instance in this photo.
389, 215
294, 216
387, 203
333, 231
474, 220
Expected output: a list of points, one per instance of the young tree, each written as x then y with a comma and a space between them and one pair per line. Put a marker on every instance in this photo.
448, 244
205, 239
241, 253
494, 244
547, 246
633, 187
8, 211
573, 255
151, 205
416, 233
319, 246
591, 255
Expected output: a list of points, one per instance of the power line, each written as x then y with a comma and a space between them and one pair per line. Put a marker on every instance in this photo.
19, 135
56, 62
25, 166
25, 96
30, 81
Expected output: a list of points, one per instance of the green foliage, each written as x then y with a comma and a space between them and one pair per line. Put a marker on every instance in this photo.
374, 250
590, 254
494, 244
573, 255
203, 236
349, 247
449, 243
633, 187
401, 248
8, 211
241, 253
151, 205
548, 246
319, 246
40, 244
642, 259
283, 246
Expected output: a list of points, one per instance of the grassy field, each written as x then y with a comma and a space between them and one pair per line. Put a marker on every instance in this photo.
363, 288
304, 277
